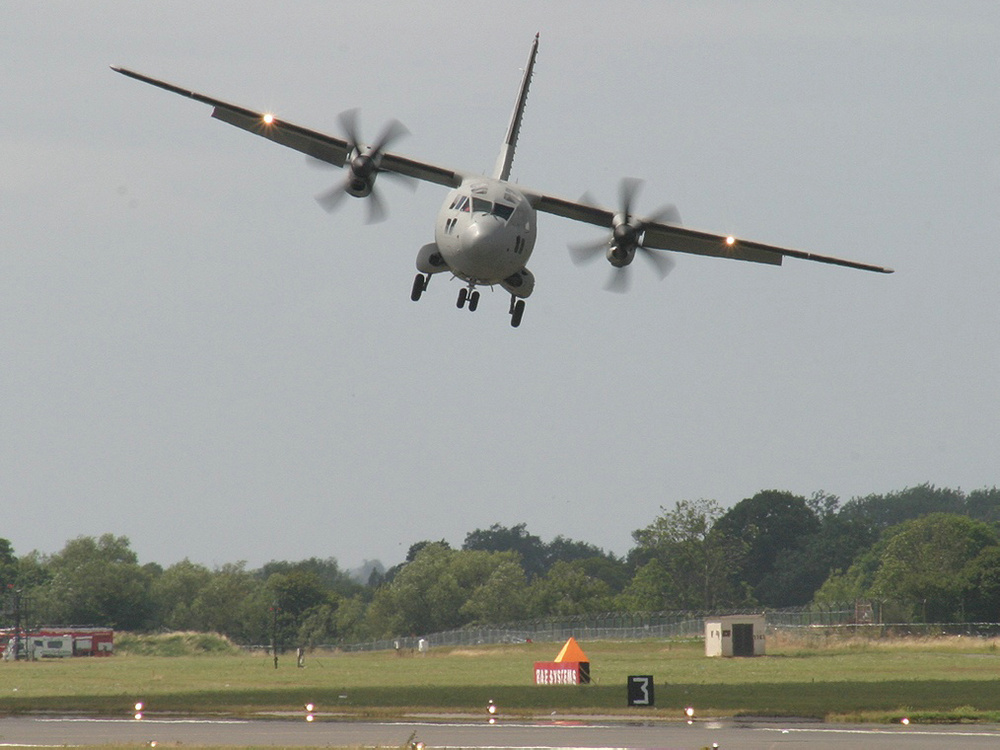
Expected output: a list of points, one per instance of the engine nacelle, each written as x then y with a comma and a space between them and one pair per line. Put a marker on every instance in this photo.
430, 260
620, 255
520, 284
363, 168
625, 238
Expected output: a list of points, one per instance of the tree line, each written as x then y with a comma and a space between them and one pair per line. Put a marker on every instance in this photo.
924, 554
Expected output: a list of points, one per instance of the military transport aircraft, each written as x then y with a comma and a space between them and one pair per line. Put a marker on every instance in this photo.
486, 228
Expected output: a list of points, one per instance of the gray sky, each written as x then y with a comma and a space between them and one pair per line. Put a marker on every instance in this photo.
197, 356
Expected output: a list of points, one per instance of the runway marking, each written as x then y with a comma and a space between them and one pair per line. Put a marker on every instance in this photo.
898, 732
144, 720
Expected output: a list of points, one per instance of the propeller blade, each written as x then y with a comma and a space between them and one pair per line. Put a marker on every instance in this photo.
659, 259
665, 214
394, 130
364, 165
626, 233
619, 281
587, 252
376, 207
349, 124
330, 199
627, 190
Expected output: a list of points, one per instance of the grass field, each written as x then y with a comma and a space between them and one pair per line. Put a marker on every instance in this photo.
949, 679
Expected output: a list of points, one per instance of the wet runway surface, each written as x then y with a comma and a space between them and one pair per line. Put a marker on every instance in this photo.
53, 731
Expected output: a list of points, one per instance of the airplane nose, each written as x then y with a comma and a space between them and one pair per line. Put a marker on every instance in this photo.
479, 234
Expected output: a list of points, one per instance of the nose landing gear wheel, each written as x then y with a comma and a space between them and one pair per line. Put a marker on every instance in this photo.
463, 294
473, 301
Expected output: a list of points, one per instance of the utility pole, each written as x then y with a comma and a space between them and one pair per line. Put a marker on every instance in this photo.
274, 632
15, 600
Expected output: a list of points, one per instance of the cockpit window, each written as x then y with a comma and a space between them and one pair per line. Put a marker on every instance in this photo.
482, 206
504, 212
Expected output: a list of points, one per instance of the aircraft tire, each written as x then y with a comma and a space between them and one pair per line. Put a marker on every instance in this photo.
473, 301
418, 287
463, 294
515, 317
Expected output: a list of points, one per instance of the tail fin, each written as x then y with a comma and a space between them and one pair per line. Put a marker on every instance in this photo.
506, 158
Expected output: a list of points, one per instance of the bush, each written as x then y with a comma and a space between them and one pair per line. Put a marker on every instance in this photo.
174, 644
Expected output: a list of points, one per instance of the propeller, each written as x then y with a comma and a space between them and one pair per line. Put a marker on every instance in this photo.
364, 167
626, 239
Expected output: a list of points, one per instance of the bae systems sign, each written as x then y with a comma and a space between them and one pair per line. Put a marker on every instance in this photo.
557, 673
571, 667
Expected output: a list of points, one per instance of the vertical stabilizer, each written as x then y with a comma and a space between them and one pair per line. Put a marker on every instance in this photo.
506, 158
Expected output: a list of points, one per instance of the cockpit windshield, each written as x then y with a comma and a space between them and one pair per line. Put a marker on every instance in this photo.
503, 211
481, 205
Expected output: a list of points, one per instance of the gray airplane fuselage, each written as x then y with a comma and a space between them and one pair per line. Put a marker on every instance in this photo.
485, 231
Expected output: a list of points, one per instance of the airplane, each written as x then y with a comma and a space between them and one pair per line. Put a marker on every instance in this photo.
486, 228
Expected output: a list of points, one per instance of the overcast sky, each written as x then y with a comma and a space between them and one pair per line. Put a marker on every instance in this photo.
197, 356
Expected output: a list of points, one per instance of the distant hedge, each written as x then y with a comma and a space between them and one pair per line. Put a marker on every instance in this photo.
174, 644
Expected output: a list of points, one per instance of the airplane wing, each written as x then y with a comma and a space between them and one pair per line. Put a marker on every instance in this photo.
318, 145
663, 236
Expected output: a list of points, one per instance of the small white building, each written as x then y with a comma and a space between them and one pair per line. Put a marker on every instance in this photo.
735, 635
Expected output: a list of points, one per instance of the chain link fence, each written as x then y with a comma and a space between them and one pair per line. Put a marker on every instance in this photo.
615, 626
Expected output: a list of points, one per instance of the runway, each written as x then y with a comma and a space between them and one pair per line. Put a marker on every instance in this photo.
68, 731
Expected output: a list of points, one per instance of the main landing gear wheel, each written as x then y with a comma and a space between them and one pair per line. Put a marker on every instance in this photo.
472, 296
516, 312
419, 285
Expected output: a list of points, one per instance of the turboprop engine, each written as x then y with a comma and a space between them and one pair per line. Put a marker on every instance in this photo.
364, 167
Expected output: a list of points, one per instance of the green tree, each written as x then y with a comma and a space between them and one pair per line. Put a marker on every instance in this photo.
298, 591
982, 576
317, 626
350, 619
983, 505
237, 604
497, 538
650, 590
799, 573
174, 593
8, 565
697, 558
300, 595
879, 512
501, 598
327, 572
567, 590
924, 563
429, 593
96, 582
771, 524
841, 587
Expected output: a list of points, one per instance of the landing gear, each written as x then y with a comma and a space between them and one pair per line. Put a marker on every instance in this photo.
516, 311
468, 294
419, 285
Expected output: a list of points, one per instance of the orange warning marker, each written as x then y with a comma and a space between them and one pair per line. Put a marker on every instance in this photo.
572, 652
